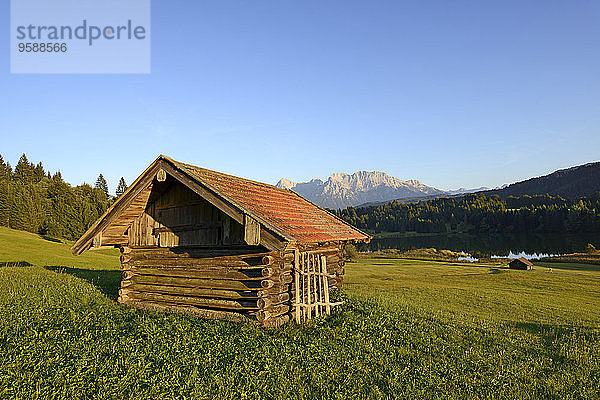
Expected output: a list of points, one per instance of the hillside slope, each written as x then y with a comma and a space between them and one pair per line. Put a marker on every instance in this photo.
570, 183
25, 247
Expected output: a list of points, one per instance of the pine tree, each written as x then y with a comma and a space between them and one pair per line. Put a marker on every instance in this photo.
38, 172
122, 187
24, 171
5, 182
5, 169
102, 185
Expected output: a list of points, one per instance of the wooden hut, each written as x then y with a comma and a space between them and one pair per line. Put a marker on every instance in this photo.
520, 263
215, 245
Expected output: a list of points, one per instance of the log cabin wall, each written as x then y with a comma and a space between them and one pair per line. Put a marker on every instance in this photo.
230, 284
186, 255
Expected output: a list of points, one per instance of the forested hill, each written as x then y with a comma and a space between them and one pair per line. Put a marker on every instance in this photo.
570, 183
32, 199
478, 213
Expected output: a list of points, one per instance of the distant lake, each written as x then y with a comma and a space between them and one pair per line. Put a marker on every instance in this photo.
488, 245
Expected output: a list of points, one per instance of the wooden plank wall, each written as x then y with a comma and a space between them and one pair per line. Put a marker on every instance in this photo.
179, 217
232, 284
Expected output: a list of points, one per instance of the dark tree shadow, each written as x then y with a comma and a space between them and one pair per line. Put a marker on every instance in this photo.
15, 264
50, 239
108, 281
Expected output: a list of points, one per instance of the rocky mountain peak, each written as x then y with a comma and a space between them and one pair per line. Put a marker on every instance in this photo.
342, 190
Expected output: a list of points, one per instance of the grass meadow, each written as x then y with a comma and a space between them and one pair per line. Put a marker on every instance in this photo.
408, 329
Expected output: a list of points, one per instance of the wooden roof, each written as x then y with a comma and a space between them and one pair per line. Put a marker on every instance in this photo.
287, 215
523, 260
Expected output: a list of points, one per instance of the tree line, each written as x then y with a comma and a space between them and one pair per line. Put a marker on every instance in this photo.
32, 199
478, 213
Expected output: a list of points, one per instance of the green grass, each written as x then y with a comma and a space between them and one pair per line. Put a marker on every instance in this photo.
490, 292
406, 330
20, 246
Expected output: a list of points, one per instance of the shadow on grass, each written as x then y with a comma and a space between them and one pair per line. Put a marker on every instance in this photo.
50, 239
108, 281
15, 264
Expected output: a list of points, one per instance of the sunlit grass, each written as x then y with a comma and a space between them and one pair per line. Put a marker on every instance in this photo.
406, 330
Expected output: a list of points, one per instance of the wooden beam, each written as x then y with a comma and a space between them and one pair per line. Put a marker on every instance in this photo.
97, 241
251, 231
297, 283
107, 247
269, 241
185, 228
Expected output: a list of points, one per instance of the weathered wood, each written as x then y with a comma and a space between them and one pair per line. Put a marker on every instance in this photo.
192, 301
272, 312
195, 263
273, 290
200, 312
253, 255
105, 247
142, 183
268, 283
269, 272
251, 231
325, 284
268, 260
204, 192
194, 282
97, 241
270, 241
204, 273
297, 284
184, 228
273, 300
308, 291
125, 249
194, 291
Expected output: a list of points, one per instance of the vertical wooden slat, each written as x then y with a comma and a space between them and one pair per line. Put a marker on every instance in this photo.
315, 284
325, 284
303, 266
315, 287
320, 280
297, 282
308, 289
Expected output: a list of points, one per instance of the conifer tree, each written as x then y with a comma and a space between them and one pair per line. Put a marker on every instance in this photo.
24, 171
102, 185
38, 172
5, 182
122, 187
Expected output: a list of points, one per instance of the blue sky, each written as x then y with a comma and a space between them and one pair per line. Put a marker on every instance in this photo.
453, 93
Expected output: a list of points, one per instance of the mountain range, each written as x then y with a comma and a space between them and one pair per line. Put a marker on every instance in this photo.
367, 188
342, 190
